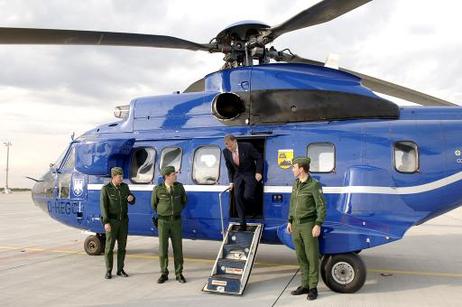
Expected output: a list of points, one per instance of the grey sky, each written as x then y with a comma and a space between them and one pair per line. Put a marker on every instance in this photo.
47, 92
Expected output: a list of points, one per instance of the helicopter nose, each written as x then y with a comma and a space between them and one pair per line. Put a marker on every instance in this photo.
42, 191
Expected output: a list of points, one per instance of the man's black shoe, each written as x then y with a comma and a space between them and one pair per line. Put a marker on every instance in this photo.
181, 279
243, 227
300, 290
312, 294
108, 275
122, 273
163, 278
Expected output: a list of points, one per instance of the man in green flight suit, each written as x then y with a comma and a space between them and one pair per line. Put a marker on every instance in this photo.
306, 215
168, 200
113, 204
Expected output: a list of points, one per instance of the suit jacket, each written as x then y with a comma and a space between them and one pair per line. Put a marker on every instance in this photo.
250, 161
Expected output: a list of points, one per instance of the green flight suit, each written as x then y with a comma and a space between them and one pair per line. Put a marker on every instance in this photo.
113, 205
307, 208
168, 205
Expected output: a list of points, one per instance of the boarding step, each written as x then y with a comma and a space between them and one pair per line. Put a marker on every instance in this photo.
230, 266
235, 260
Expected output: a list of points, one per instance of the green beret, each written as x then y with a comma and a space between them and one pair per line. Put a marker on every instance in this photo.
167, 170
302, 160
117, 171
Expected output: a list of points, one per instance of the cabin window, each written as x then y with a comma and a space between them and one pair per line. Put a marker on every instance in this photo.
171, 156
142, 165
322, 157
206, 165
406, 157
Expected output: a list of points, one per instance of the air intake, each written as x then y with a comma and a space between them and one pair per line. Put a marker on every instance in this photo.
227, 106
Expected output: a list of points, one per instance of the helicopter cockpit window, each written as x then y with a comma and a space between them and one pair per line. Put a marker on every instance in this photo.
206, 165
406, 157
171, 156
64, 177
60, 159
70, 161
142, 165
322, 157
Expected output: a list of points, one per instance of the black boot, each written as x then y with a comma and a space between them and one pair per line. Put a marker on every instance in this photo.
108, 275
312, 294
122, 273
163, 278
300, 290
181, 279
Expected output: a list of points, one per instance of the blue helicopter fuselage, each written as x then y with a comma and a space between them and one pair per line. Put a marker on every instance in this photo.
370, 200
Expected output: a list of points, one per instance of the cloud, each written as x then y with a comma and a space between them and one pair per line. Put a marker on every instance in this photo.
46, 92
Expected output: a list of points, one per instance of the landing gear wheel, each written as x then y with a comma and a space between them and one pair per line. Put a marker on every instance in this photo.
94, 245
344, 273
324, 261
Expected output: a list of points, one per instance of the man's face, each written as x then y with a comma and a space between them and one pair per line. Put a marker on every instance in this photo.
117, 179
171, 178
231, 145
296, 170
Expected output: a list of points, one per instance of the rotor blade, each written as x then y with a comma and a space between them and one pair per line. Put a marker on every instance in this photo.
36, 180
380, 86
75, 37
319, 13
398, 91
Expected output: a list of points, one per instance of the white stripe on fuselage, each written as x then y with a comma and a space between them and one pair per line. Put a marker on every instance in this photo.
327, 190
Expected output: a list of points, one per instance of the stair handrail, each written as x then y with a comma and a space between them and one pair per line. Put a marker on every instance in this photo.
221, 211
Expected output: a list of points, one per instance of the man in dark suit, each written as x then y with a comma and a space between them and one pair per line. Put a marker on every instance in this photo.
245, 168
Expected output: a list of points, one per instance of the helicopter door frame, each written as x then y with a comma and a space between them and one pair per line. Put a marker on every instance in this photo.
256, 211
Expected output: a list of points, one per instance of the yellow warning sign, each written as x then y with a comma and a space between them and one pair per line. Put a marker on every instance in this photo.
285, 157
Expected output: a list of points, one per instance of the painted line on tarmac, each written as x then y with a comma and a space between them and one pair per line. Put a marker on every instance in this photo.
421, 273
211, 261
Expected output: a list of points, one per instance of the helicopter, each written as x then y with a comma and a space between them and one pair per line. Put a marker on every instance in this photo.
383, 168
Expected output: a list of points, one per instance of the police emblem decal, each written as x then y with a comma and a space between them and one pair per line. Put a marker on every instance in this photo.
77, 184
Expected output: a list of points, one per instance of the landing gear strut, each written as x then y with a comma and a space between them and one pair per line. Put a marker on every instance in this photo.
344, 273
94, 244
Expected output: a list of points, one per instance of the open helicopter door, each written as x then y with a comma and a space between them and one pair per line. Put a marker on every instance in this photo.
235, 260
254, 211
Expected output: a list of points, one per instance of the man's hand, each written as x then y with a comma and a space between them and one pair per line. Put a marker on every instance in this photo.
289, 228
130, 198
231, 186
258, 177
316, 231
107, 227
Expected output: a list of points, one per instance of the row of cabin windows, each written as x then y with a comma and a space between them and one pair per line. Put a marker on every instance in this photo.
322, 155
206, 162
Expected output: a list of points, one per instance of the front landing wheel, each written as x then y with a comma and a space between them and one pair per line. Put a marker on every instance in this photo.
94, 244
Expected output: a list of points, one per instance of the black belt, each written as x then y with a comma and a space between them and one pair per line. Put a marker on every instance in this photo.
304, 220
116, 216
169, 217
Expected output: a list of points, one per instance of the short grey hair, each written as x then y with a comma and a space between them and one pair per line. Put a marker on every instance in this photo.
230, 137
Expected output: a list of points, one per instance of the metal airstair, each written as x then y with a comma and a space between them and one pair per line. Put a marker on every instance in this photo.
235, 260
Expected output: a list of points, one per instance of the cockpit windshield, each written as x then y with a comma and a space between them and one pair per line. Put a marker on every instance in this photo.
58, 161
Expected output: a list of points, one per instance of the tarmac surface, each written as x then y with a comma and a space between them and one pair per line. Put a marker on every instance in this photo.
42, 263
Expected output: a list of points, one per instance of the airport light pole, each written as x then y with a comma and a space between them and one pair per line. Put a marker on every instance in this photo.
7, 144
